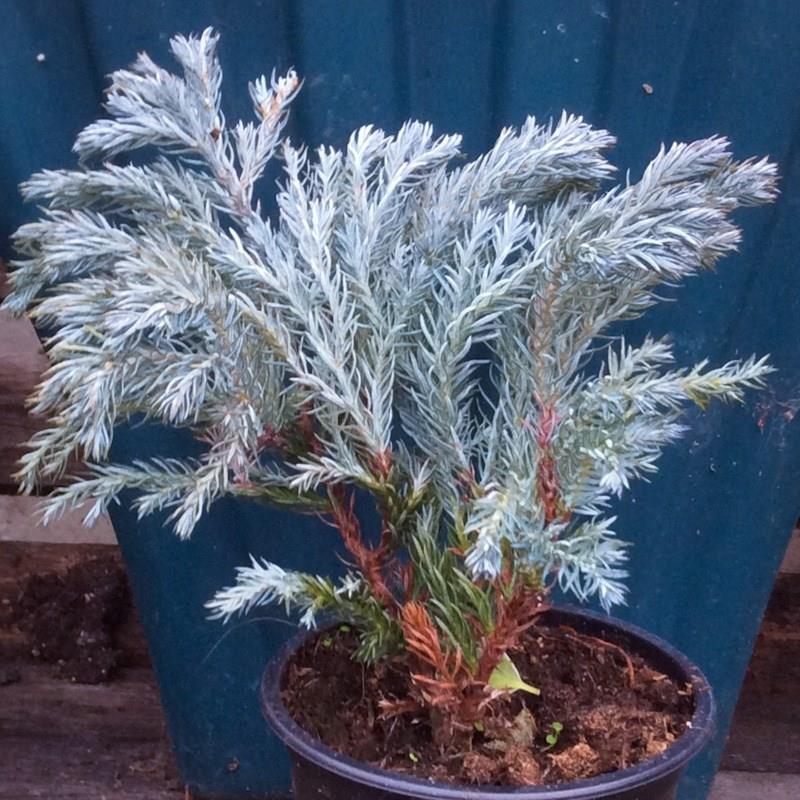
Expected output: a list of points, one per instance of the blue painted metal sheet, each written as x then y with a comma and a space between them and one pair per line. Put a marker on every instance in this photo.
710, 530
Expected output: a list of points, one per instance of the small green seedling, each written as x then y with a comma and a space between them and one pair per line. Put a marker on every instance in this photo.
327, 642
552, 736
413, 757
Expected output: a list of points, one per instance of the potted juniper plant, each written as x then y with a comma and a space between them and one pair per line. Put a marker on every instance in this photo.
439, 338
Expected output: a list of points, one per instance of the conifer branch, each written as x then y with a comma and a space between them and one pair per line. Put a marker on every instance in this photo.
420, 329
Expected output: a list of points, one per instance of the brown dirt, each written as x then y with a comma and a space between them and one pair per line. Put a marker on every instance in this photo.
70, 619
615, 711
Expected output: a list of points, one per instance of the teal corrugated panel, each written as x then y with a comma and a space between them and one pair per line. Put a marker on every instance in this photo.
711, 528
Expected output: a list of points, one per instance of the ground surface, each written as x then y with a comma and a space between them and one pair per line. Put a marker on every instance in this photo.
65, 741
755, 786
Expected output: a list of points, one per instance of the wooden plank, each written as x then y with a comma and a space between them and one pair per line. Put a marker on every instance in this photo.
765, 735
70, 742
752, 786
22, 362
19, 522
64, 740
765, 738
791, 561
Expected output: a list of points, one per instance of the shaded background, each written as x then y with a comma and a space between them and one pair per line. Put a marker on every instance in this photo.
711, 528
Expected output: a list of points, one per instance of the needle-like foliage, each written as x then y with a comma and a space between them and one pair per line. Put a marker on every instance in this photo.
409, 325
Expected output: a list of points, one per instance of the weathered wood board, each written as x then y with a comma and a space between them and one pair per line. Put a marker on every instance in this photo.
20, 522
22, 362
63, 740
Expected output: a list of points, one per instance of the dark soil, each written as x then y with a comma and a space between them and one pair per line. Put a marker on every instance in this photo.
70, 618
615, 711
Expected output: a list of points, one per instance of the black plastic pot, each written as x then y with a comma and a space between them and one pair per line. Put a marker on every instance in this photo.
319, 773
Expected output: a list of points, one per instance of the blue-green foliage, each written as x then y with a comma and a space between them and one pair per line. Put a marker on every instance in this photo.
362, 305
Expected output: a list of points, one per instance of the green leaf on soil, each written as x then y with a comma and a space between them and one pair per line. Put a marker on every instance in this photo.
505, 677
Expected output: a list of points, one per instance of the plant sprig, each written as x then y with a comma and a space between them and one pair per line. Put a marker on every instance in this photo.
404, 327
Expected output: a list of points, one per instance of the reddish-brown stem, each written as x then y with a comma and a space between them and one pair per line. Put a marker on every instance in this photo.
373, 563
405, 579
455, 694
305, 423
271, 437
370, 561
382, 464
513, 618
548, 484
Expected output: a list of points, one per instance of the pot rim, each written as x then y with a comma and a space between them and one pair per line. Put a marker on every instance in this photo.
700, 729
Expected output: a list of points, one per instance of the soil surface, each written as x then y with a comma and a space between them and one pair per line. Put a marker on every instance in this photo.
70, 619
614, 711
